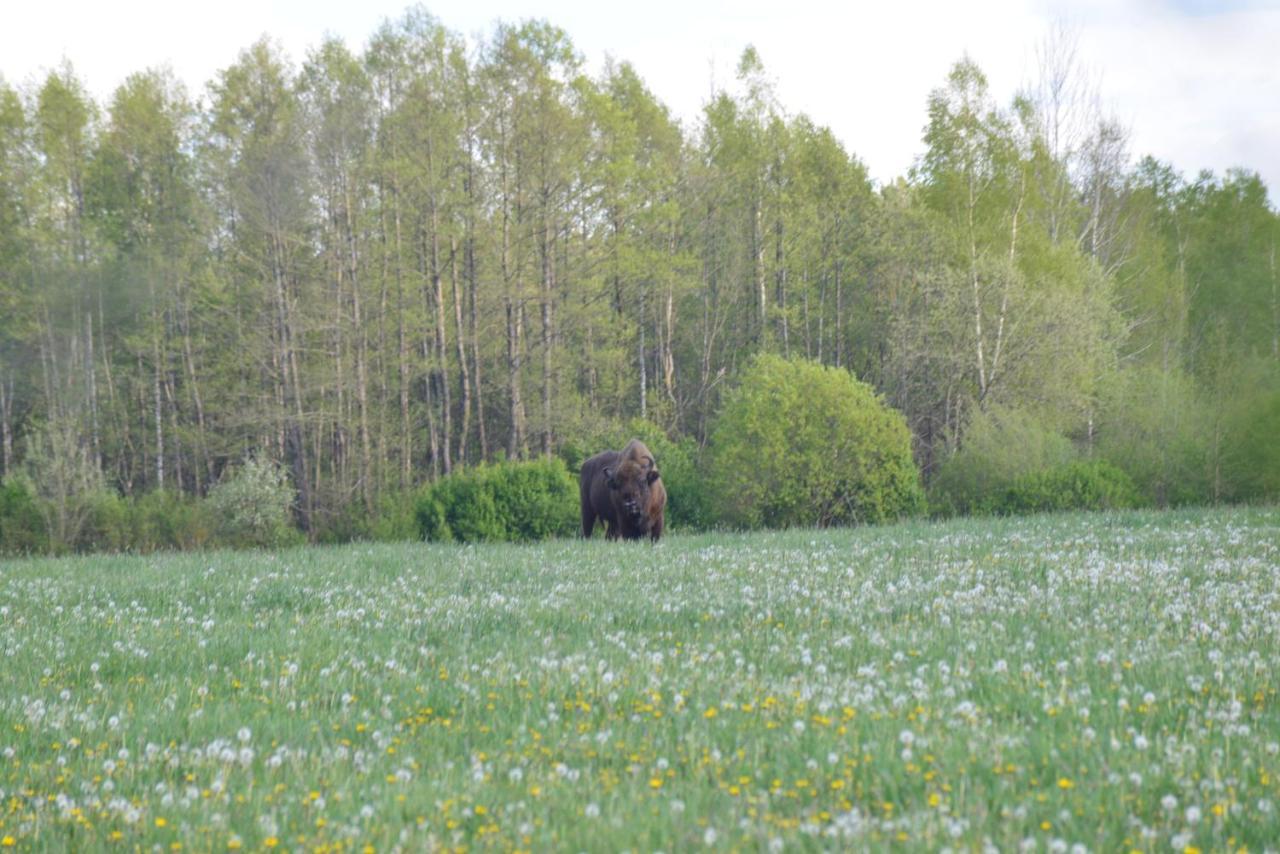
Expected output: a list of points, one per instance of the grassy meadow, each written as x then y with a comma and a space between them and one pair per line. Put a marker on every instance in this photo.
1060, 683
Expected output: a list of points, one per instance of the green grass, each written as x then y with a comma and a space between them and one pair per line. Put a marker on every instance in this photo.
1102, 680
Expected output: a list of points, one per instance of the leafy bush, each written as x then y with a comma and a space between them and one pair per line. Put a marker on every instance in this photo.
107, 526
1000, 446
519, 501
162, 519
799, 443
1253, 465
1154, 426
250, 506
393, 519
22, 528
64, 477
1082, 485
689, 501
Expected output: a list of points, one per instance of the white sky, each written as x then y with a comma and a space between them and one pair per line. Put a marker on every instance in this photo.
1196, 81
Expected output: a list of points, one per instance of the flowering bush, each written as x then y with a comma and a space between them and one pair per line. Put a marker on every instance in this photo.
251, 506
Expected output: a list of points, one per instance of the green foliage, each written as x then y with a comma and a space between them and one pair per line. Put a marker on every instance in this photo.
1253, 464
798, 443
22, 528
251, 505
1000, 446
165, 520
520, 502
65, 479
394, 519
1154, 426
1080, 485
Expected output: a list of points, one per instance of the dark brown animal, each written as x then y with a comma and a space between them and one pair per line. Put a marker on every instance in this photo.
623, 490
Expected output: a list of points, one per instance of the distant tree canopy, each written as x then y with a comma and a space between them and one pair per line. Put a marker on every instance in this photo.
376, 268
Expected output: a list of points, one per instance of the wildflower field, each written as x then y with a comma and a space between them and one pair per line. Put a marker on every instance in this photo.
1076, 682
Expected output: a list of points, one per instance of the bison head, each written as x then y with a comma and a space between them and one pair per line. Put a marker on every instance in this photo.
631, 483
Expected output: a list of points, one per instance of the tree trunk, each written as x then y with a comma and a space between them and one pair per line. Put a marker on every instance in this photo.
757, 266
441, 343
6, 425
204, 463
837, 335
362, 355
464, 385
548, 290
472, 290
642, 362
977, 297
158, 414
780, 284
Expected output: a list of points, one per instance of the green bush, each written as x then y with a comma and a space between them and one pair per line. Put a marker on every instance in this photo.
1253, 462
1000, 446
22, 529
799, 443
393, 519
251, 506
520, 501
689, 501
162, 519
1154, 426
1082, 485
107, 526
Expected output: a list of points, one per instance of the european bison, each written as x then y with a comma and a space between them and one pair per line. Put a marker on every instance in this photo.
623, 490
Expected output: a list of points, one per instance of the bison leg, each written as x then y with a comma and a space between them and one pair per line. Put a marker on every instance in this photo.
588, 519
656, 530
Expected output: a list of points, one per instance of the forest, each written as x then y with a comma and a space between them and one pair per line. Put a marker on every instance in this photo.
376, 268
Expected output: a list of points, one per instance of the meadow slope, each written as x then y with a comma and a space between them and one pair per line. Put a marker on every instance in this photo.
1101, 681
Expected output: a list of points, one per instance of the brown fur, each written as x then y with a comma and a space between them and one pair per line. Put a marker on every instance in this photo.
623, 490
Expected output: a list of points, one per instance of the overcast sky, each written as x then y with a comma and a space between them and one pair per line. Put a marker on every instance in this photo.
1197, 82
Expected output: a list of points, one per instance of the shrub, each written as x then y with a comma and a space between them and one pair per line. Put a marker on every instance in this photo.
22, 529
798, 443
518, 501
1253, 462
1154, 426
250, 506
63, 476
1082, 485
163, 519
107, 526
393, 519
1000, 446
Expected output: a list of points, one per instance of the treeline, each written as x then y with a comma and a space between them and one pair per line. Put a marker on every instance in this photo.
377, 268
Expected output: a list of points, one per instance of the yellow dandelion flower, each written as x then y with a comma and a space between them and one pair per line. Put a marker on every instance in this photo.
1065, 783
710, 713
271, 842
8, 842
233, 844
160, 822
655, 782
